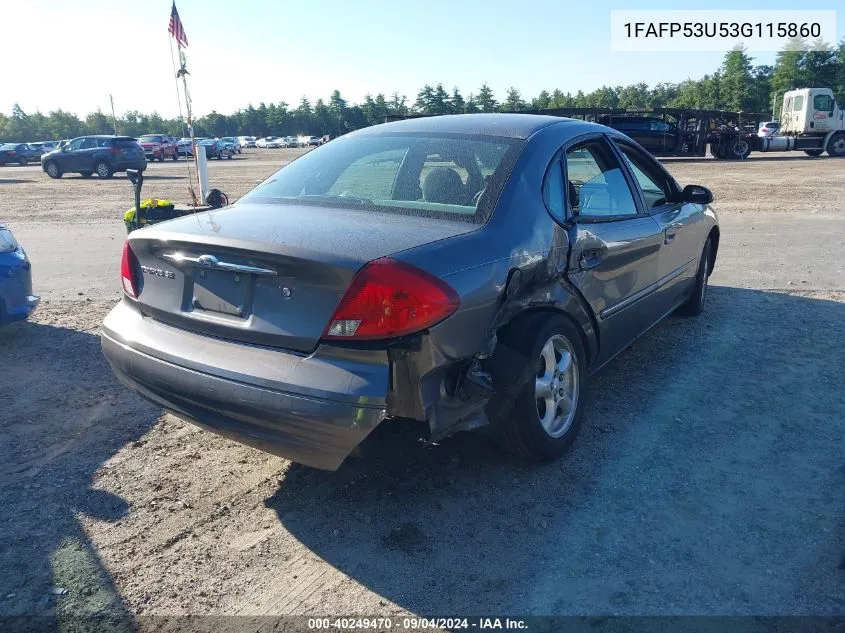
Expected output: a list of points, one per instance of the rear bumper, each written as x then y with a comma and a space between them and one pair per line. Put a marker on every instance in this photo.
311, 409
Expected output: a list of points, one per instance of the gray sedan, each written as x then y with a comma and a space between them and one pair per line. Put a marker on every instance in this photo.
461, 271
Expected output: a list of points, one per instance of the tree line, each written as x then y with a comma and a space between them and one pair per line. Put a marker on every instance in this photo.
737, 85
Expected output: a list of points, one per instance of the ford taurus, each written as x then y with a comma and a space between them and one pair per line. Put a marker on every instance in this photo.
461, 271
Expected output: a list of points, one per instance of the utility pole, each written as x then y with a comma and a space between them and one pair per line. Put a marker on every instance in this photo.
113, 117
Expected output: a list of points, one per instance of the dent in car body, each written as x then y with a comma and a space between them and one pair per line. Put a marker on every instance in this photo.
447, 375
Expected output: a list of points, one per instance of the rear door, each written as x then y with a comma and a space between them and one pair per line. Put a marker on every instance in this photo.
681, 223
615, 246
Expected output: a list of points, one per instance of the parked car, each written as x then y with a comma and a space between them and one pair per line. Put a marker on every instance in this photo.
44, 146
184, 148
18, 154
655, 134
769, 128
159, 147
232, 143
515, 255
313, 141
247, 141
100, 154
290, 141
269, 142
16, 299
214, 148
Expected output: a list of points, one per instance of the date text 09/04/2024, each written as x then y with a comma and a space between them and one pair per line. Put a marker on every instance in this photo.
417, 624
722, 29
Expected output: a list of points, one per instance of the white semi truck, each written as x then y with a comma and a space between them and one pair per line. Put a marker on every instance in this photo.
811, 121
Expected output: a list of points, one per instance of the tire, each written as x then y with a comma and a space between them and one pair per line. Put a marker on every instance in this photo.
228, 155
695, 304
836, 145
537, 349
739, 149
86, 174
175, 156
103, 169
813, 152
22, 161
53, 170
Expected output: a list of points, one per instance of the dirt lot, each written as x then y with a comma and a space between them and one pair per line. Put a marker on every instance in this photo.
708, 478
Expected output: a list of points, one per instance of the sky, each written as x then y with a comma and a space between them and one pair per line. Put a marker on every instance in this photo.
75, 53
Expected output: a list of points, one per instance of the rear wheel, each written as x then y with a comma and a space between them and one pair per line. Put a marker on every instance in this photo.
836, 145
543, 420
739, 149
175, 156
813, 152
22, 161
103, 169
695, 304
53, 170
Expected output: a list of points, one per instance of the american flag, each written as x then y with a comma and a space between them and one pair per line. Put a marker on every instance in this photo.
176, 29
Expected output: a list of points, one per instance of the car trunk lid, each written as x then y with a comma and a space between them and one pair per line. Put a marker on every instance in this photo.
267, 274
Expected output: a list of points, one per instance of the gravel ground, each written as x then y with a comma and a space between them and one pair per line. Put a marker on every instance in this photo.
708, 478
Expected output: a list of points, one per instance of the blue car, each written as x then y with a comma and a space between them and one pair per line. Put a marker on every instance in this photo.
16, 299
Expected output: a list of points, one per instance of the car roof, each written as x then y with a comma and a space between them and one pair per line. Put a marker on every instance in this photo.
511, 125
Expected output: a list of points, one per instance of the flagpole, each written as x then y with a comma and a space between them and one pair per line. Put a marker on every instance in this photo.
190, 121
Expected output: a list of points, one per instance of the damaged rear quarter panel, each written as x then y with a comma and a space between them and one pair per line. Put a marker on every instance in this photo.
513, 265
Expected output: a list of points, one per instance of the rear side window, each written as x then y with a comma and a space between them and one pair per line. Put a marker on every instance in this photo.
596, 184
445, 177
798, 103
553, 194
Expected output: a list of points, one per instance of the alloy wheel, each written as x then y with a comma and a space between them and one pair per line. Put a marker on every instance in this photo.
556, 386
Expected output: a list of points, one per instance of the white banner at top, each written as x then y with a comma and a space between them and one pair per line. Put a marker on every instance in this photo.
720, 30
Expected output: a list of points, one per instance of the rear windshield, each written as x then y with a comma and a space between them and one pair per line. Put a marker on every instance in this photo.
9, 146
150, 139
448, 177
123, 142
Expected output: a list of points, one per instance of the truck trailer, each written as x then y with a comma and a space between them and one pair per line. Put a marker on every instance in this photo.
811, 121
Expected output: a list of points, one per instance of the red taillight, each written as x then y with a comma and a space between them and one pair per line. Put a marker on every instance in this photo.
389, 298
113, 150
10, 152
128, 271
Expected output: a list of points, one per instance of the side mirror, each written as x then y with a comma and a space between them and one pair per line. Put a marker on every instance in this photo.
696, 194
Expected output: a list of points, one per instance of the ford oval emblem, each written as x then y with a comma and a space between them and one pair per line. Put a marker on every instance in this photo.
207, 261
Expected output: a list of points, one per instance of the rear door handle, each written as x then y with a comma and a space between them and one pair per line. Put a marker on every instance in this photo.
590, 259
